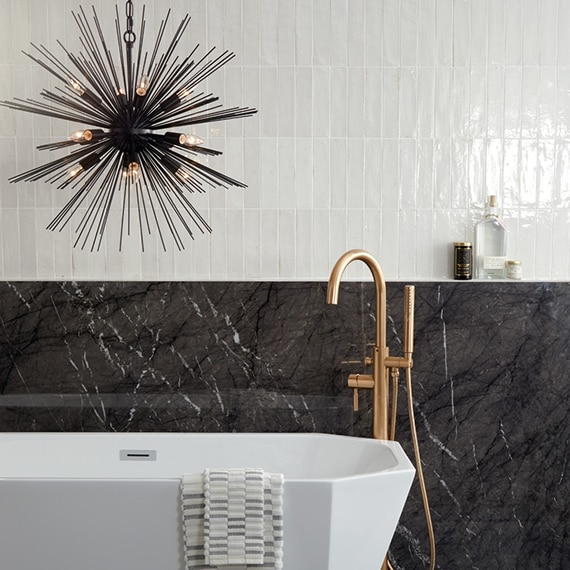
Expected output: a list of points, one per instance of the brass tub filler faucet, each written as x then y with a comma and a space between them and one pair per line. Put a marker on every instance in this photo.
385, 367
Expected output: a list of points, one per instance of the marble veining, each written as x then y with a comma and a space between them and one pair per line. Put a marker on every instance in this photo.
491, 387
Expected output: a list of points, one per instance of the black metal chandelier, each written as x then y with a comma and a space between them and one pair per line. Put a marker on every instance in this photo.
132, 147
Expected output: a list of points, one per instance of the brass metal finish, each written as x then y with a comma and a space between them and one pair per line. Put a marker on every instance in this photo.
384, 366
381, 362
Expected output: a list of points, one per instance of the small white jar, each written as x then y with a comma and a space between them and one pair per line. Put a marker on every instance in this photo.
514, 269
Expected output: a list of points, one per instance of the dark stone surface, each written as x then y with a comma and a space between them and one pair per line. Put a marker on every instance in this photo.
491, 387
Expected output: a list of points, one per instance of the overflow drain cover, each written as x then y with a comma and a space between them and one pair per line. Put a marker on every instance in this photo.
138, 455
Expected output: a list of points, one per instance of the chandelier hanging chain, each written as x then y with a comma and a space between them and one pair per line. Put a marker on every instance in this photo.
129, 36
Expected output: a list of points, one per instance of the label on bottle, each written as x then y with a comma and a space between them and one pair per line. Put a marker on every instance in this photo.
494, 262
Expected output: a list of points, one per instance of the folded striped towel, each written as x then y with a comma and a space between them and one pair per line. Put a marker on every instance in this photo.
233, 517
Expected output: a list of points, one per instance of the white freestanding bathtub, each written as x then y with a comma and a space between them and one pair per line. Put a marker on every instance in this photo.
112, 501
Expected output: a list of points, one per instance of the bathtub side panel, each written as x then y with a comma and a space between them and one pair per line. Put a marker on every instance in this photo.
66, 525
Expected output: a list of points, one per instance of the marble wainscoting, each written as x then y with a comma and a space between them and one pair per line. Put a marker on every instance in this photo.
491, 388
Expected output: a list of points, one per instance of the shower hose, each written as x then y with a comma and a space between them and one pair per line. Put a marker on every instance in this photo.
417, 457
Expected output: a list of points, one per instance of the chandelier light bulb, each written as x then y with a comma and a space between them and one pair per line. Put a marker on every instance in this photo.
75, 171
77, 87
190, 140
142, 86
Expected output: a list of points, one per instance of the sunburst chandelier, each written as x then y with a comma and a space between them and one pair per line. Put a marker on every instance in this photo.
136, 148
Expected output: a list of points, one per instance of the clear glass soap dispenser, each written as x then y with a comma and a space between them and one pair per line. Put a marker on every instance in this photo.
490, 244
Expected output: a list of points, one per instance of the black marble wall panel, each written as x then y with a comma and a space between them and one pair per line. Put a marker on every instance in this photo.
491, 387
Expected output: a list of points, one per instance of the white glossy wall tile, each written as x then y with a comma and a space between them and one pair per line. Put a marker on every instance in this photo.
382, 124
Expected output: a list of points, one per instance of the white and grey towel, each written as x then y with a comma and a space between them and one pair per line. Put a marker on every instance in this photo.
233, 518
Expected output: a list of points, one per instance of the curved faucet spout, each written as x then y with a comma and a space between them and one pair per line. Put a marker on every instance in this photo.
379, 379
379, 283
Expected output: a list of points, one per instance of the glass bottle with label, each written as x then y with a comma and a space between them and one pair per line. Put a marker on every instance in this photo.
490, 244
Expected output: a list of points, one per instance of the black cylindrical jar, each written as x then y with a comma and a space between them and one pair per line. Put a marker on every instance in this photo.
462, 260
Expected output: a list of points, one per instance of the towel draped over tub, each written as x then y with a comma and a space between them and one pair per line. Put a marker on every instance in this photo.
233, 518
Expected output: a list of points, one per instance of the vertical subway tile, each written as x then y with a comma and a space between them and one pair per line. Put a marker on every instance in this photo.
390, 231
252, 173
321, 32
461, 33
355, 183
562, 175
531, 36
338, 229
339, 32
303, 32
391, 33
529, 102
355, 229
514, 32
286, 32
546, 173
338, 173
548, 32
390, 103
528, 173
269, 101
235, 244
478, 103
513, 101
427, 32
563, 102
321, 179
409, 10
563, 38
442, 181
560, 235
321, 101
408, 104
547, 102
286, 178
303, 102
304, 241
459, 173
495, 101
356, 102
251, 32
426, 102
339, 102
408, 170
425, 174
356, 21
496, 28
443, 236
269, 36
218, 244
372, 230
303, 165
544, 249
324, 242
407, 245
424, 221
494, 166
373, 33
479, 33
443, 100
373, 103
390, 175
286, 102
373, 173
269, 173
444, 32
252, 244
